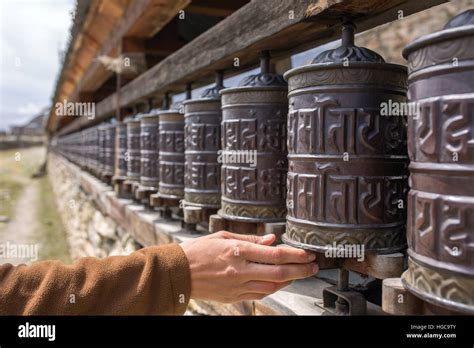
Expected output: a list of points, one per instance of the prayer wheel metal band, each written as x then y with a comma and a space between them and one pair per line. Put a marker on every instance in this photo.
441, 147
347, 170
149, 149
120, 150
109, 150
132, 156
254, 152
171, 159
202, 131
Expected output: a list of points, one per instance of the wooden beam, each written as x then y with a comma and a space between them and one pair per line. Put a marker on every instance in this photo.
162, 44
217, 8
134, 23
157, 15
284, 27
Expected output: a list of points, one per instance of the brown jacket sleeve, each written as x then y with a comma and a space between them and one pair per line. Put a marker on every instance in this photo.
154, 280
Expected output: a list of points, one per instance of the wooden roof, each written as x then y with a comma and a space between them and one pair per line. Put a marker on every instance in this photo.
99, 29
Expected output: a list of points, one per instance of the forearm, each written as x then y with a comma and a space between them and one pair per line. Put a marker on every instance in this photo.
154, 280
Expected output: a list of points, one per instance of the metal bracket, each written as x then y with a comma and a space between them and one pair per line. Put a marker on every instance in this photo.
341, 299
344, 302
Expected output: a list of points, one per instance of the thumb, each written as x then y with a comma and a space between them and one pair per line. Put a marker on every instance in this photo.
267, 239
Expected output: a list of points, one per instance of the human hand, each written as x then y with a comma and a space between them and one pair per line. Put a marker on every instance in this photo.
229, 267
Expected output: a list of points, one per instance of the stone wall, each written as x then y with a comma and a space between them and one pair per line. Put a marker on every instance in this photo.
90, 232
389, 39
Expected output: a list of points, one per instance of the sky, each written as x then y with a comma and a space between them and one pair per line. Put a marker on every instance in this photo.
32, 33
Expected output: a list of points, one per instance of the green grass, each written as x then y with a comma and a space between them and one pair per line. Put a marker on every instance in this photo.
52, 235
13, 176
10, 190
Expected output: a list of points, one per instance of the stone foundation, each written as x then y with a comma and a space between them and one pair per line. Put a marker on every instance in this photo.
90, 232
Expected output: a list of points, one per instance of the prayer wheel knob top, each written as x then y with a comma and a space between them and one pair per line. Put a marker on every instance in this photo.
173, 109
348, 51
457, 32
135, 118
213, 92
264, 78
462, 19
151, 113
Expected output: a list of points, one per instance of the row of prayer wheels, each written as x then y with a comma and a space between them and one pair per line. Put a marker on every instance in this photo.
93, 149
314, 149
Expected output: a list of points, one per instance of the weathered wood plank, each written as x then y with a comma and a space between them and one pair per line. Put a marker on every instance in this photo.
284, 27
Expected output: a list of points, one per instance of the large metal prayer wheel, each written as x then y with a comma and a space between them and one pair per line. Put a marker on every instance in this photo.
347, 176
171, 158
120, 150
441, 147
109, 150
101, 150
132, 156
96, 151
149, 150
254, 128
93, 149
88, 147
82, 150
202, 142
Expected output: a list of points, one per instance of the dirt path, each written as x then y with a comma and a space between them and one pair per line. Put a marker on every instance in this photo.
34, 228
19, 233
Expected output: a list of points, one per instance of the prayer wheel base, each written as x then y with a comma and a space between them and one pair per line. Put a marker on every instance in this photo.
127, 186
118, 183
440, 288
106, 178
143, 193
196, 214
319, 239
218, 223
398, 299
156, 200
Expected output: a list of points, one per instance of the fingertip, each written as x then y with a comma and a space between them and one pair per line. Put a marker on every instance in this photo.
267, 239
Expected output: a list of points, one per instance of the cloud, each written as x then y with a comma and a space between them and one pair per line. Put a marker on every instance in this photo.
31, 35
29, 109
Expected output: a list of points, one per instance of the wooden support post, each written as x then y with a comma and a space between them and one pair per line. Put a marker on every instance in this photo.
155, 200
216, 224
192, 215
374, 265
377, 266
399, 301
127, 187
277, 228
